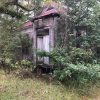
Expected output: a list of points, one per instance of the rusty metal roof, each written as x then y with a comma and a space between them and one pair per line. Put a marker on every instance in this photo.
47, 12
27, 24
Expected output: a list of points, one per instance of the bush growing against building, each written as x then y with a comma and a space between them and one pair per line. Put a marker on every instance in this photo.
75, 67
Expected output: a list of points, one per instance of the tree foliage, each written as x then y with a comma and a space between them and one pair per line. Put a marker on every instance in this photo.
77, 66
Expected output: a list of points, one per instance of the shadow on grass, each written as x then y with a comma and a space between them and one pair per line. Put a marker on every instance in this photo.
27, 74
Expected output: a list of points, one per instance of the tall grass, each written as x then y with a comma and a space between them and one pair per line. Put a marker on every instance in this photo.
15, 88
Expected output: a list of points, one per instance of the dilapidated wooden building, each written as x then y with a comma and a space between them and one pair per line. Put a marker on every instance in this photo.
43, 29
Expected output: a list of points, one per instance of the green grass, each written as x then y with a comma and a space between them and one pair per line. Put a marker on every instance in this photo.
15, 88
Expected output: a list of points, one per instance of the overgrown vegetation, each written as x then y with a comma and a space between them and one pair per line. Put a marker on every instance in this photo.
13, 47
78, 62
76, 67
76, 59
15, 88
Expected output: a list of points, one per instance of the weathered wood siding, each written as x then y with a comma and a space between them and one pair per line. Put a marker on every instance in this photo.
28, 31
46, 47
40, 47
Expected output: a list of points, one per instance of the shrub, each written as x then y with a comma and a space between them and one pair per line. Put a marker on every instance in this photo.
79, 55
42, 53
74, 67
57, 56
7, 65
27, 64
78, 75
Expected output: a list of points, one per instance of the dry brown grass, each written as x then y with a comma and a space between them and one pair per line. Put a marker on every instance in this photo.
15, 88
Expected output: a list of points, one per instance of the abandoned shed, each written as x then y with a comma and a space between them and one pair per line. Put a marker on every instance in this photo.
43, 30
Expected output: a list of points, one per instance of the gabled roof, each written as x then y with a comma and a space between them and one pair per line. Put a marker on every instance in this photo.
47, 11
27, 24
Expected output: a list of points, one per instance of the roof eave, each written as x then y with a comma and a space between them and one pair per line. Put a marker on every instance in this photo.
40, 17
